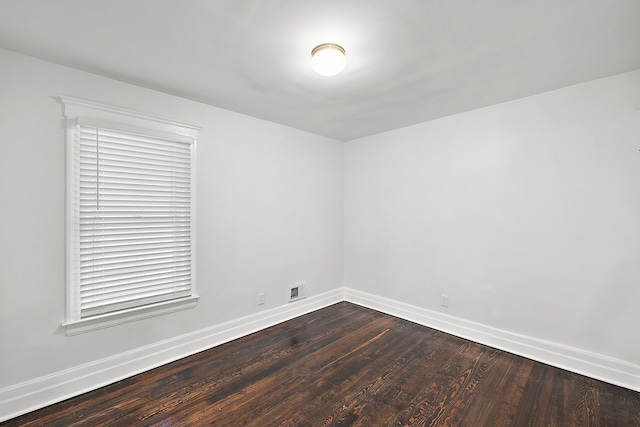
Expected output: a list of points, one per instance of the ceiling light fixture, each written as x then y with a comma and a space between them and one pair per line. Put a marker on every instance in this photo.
328, 59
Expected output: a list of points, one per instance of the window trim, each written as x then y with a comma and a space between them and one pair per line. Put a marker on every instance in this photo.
80, 111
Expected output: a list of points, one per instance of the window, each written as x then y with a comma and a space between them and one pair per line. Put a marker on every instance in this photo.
131, 225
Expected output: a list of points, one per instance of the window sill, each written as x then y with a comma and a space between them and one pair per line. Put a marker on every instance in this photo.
102, 321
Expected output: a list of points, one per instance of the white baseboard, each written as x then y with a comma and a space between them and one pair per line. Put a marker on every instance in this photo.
572, 359
40, 392
35, 394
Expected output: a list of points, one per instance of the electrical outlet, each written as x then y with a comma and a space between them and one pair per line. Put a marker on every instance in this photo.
444, 300
261, 298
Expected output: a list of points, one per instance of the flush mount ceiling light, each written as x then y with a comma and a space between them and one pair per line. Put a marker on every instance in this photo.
328, 59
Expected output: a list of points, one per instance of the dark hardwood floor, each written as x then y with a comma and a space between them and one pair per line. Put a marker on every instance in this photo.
346, 365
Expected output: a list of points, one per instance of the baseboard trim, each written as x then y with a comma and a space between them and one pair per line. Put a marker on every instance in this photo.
28, 396
31, 395
604, 368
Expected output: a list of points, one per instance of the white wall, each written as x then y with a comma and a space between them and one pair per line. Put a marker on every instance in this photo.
526, 214
269, 212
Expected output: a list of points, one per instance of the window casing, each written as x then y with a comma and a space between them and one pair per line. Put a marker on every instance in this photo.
131, 216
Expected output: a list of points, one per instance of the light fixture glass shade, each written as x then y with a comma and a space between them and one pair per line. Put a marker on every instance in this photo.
328, 59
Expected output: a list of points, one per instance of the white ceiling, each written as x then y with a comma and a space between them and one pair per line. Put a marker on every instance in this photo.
408, 61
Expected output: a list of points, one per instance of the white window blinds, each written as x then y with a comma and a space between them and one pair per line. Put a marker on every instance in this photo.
134, 219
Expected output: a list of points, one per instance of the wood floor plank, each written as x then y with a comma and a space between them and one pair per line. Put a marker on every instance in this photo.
347, 365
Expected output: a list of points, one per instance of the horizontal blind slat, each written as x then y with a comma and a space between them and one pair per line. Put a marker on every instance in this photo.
90, 176
146, 285
117, 297
135, 246
125, 257
114, 153
125, 303
137, 281
132, 141
138, 141
88, 148
112, 274
120, 262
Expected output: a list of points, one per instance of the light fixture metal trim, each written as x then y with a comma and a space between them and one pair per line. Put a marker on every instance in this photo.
327, 46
